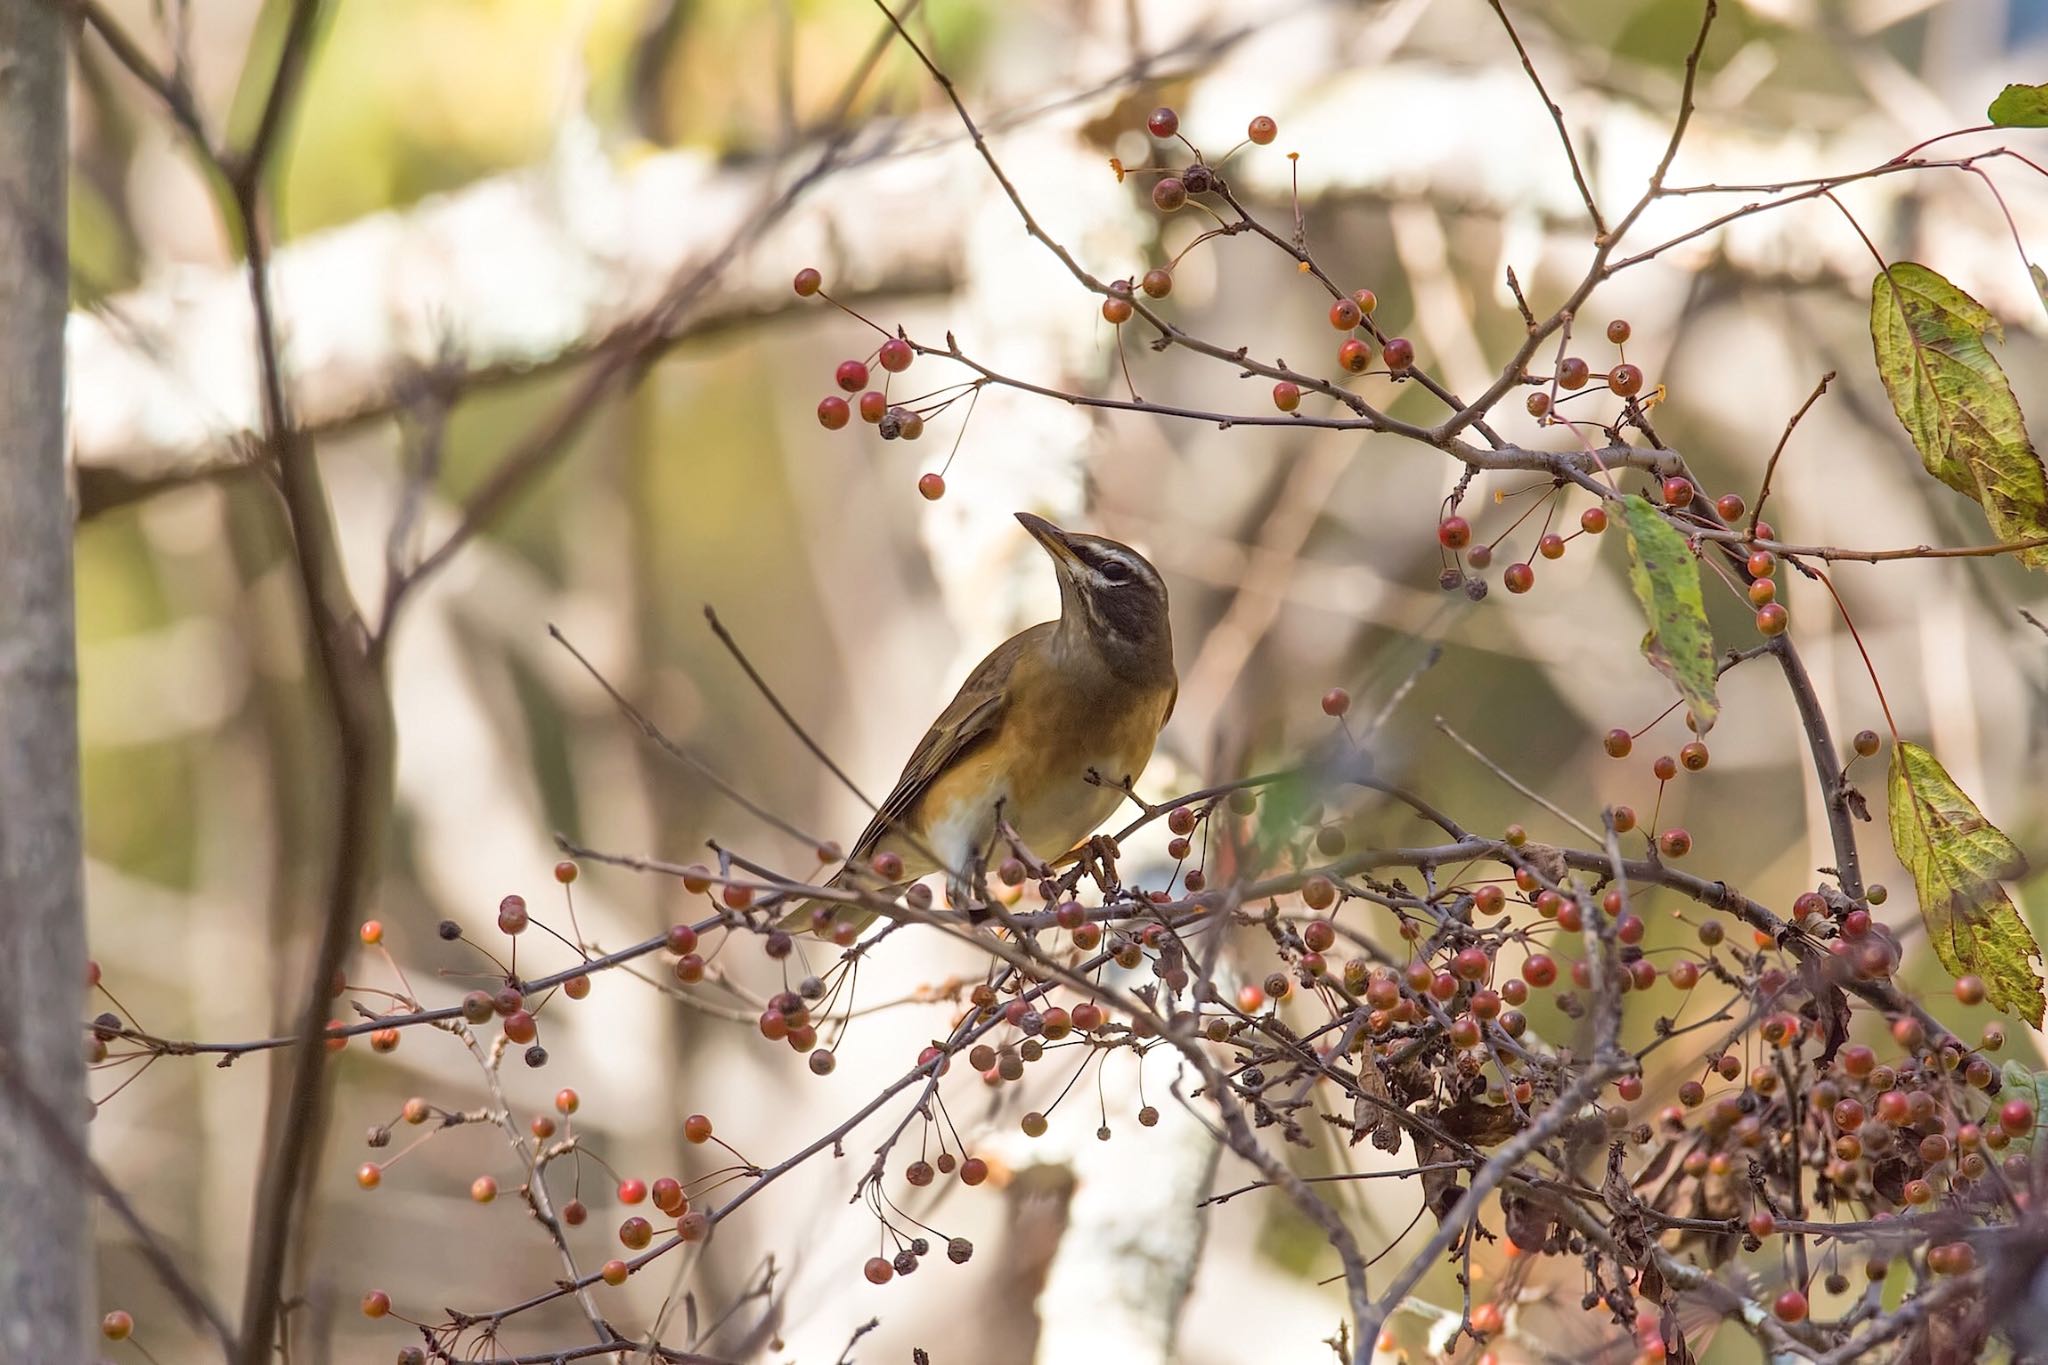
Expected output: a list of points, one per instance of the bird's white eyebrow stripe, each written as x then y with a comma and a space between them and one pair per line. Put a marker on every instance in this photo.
1130, 560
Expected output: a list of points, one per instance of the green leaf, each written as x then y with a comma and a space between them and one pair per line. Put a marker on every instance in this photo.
1666, 576
2020, 106
1953, 400
1958, 858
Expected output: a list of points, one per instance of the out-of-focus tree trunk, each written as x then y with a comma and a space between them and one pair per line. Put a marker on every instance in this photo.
45, 1263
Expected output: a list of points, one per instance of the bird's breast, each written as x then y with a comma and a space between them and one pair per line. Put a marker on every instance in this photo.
1037, 764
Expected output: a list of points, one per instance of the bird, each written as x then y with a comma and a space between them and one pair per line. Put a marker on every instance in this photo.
1045, 728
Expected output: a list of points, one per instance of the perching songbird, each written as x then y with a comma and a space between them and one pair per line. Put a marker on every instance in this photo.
1089, 691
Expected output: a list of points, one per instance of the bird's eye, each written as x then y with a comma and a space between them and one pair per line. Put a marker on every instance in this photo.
1114, 571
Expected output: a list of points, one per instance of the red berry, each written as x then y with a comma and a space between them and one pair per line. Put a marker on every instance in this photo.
1367, 301
1970, 989
519, 1027
369, 1175
878, 1270
632, 1191
1771, 619
1958, 1258
1336, 702
636, 1232
1540, 970
1262, 130
1354, 356
376, 1304
2016, 1117
852, 375
1684, 974
1550, 545
1625, 380
1664, 768
1867, 742
1168, 195
873, 406
931, 486
483, 1189
1519, 578
697, 1128
1398, 353
512, 914
1572, 373
1318, 893
895, 355
1624, 818
833, 412
117, 1326
1674, 843
1163, 122
1344, 315
567, 1101
1538, 404
1677, 491
1618, 742
1618, 331
1454, 533
1116, 311
808, 282
1593, 520
1762, 592
1286, 396
1479, 556
1790, 1306
614, 1272
1693, 757
1730, 506
1158, 282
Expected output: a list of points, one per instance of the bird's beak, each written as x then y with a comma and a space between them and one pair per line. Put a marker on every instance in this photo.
1052, 538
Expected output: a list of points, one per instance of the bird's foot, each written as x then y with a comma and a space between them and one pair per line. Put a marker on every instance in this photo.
1098, 860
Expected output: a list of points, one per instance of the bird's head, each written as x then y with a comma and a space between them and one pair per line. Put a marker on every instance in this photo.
1110, 595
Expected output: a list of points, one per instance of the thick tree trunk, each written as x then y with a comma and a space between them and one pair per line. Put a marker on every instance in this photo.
45, 1260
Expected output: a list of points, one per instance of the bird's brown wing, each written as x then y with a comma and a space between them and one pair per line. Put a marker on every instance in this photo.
971, 718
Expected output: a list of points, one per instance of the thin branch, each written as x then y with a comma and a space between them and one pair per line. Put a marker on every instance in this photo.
1556, 117
668, 746
1504, 775
1771, 467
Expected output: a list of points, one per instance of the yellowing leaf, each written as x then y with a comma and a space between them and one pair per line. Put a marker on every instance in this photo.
1953, 400
1958, 858
2040, 279
1666, 576
2020, 106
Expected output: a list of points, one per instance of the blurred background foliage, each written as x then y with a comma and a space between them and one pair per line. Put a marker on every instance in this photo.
1297, 560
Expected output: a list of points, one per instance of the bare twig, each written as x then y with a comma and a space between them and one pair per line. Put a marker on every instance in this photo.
1556, 117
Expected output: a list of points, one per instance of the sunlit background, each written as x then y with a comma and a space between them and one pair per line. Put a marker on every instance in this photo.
485, 189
